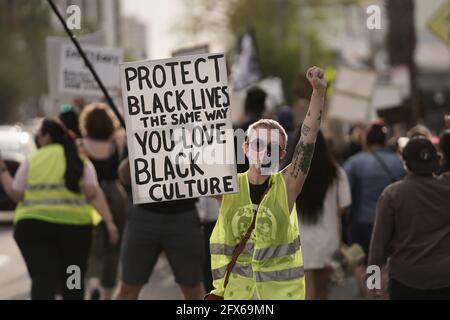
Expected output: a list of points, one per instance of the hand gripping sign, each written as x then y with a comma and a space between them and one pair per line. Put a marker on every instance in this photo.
178, 121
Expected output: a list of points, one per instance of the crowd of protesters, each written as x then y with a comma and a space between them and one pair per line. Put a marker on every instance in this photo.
390, 196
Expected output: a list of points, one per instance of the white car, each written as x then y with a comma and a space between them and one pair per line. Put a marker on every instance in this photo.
15, 145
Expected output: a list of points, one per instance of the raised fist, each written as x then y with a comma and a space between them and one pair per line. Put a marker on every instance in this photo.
316, 77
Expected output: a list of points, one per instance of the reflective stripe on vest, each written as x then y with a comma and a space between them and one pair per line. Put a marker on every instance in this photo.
240, 269
55, 202
227, 250
266, 253
278, 251
280, 275
260, 276
46, 186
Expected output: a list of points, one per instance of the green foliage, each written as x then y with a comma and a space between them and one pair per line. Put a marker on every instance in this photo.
23, 67
279, 33
24, 25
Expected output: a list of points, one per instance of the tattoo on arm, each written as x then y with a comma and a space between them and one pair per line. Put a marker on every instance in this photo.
305, 129
301, 160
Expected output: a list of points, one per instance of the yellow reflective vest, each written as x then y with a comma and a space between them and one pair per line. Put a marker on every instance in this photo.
46, 196
271, 265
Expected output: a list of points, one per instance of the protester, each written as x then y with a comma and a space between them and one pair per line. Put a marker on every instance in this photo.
208, 210
412, 228
343, 144
173, 227
369, 172
103, 142
69, 117
324, 196
419, 131
357, 135
255, 245
53, 220
254, 107
444, 148
255, 104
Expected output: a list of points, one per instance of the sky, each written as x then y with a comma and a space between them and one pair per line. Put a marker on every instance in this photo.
159, 16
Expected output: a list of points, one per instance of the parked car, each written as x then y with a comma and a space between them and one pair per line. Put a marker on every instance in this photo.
15, 145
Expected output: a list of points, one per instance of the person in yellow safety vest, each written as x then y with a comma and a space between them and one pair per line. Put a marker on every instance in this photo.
53, 221
269, 265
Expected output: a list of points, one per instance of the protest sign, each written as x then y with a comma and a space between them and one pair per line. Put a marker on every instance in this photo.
352, 95
387, 96
355, 81
178, 121
75, 79
204, 48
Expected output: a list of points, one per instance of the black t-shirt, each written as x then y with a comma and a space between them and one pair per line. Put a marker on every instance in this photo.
170, 207
257, 192
107, 168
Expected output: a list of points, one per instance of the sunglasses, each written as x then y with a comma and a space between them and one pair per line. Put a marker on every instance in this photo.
260, 145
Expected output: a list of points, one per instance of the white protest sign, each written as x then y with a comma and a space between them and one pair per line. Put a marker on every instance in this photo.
352, 94
349, 108
74, 78
355, 81
54, 45
178, 120
387, 96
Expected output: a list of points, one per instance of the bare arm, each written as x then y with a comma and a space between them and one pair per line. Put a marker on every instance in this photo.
7, 182
296, 172
124, 173
97, 199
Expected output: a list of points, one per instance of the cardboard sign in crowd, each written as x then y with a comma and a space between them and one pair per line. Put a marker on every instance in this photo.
69, 77
178, 121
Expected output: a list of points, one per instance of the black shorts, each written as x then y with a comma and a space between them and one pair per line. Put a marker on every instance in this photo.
147, 234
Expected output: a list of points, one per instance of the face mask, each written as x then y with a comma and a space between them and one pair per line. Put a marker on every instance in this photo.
270, 162
264, 156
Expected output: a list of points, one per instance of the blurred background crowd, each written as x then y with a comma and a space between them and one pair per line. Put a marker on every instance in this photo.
388, 83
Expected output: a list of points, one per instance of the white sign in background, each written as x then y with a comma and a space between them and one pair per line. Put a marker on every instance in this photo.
74, 78
179, 132
352, 94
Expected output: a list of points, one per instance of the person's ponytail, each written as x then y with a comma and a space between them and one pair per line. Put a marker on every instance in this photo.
74, 165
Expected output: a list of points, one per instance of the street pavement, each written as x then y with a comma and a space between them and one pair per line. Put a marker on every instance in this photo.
15, 284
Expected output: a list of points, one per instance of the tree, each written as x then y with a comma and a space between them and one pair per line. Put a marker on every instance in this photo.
401, 44
23, 66
24, 25
275, 25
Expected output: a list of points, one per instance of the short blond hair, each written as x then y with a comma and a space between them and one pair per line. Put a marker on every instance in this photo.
271, 125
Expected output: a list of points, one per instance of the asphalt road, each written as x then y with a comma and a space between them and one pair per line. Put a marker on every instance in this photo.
15, 284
